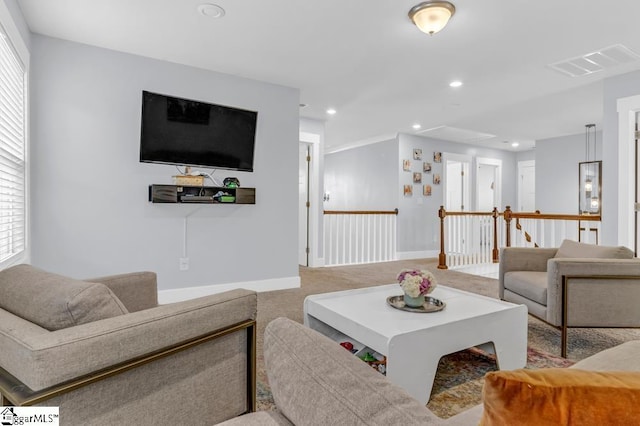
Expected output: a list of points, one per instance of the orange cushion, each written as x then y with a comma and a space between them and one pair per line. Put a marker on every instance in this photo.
558, 396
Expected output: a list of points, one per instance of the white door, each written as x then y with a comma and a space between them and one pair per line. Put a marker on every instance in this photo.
456, 182
526, 186
303, 203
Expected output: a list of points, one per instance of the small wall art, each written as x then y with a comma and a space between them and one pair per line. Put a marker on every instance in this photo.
436, 179
437, 157
408, 190
417, 177
417, 154
426, 167
426, 190
406, 165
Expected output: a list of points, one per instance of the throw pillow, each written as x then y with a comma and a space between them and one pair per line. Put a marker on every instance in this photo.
574, 249
558, 396
54, 301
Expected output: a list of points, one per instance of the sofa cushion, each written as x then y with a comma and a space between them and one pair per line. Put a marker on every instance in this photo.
531, 285
53, 301
557, 396
315, 381
574, 249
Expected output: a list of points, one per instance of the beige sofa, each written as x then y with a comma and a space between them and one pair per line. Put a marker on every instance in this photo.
105, 352
574, 285
316, 382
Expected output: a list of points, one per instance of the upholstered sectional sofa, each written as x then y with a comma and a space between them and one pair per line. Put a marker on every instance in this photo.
316, 382
106, 353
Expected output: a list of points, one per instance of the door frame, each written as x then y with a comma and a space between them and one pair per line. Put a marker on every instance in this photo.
315, 208
627, 109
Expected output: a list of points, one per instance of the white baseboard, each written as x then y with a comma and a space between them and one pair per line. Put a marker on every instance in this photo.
180, 294
424, 254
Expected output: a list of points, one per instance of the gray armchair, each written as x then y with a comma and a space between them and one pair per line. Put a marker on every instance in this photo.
575, 285
105, 352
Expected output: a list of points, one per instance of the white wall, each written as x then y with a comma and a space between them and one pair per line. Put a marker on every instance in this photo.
418, 222
557, 172
363, 178
90, 210
371, 177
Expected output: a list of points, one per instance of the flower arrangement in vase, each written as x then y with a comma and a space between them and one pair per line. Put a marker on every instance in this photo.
416, 284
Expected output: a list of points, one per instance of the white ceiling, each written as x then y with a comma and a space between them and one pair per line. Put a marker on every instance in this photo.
368, 61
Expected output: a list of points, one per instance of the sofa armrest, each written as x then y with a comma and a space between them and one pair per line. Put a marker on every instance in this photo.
316, 381
522, 259
137, 291
600, 281
44, 359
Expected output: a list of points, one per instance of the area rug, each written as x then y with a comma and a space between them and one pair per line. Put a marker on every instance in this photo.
458, 382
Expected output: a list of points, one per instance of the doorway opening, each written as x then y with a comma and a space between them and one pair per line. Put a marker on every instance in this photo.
488, 184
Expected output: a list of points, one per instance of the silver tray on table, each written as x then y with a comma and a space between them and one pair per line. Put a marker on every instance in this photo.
431, 304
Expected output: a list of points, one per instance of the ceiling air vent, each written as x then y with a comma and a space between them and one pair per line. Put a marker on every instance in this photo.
455, 134
602, 59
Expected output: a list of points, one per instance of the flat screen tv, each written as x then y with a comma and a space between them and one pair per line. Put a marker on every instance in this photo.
192, 133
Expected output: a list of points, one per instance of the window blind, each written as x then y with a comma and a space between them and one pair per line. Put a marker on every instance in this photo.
12, 151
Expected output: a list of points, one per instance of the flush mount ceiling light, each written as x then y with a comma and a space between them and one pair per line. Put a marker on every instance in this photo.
455, 83
416, 126
211, 10
331, 111
431, 16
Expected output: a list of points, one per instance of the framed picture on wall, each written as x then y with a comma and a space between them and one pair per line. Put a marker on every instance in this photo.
408, 190
417, 154
406, 165
426, 190
426, 167
417, 177
437, 157
436, 179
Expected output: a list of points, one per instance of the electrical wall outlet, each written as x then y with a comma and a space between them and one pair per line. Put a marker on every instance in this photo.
184, 263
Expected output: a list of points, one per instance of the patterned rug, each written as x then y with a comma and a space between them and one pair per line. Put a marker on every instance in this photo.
458, 382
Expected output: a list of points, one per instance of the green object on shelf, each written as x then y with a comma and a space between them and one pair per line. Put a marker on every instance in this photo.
227, 199
368, 357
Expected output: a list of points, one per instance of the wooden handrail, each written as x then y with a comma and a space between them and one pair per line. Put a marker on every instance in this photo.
442, 257
508, 216
442, 213
394, 212
592, 218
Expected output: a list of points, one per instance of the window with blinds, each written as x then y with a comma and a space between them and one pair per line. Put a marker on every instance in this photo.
12, 151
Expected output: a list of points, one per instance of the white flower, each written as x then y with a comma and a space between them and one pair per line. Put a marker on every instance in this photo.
416, 282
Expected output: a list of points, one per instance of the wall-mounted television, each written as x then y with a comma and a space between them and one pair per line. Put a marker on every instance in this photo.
193, 133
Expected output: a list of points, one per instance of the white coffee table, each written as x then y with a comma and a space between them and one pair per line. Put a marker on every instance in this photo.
414, 342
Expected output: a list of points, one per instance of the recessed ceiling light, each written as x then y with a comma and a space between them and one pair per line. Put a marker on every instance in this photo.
331, 111
211, 10
416, 126
515, 144
455, 83
302, 105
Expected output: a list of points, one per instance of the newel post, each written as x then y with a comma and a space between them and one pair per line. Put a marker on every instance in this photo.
495, 251
507, 220
442, 258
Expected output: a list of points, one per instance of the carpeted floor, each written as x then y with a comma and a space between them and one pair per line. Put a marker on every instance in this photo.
458, 383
